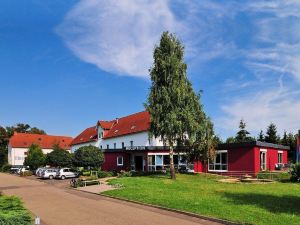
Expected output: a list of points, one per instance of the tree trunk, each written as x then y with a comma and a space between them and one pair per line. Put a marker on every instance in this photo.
172, 168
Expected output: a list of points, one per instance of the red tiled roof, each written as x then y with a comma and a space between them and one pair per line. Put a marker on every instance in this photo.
25, 140
88, 135
134, 123
106, 125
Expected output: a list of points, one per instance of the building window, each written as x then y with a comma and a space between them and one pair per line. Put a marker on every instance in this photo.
107, 146
115, 145
220, 162
280, 157
123, 145
120, 161
131, 144
101, 146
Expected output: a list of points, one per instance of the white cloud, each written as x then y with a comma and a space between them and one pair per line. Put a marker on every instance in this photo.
117, 36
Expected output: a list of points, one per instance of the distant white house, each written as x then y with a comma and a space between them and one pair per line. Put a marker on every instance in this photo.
19, 144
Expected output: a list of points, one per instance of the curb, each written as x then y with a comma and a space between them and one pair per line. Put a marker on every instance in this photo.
212, 219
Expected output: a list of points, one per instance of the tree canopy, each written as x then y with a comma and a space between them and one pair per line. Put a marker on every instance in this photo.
88, 156
59, 157
175, 110
35, 157
242, 135
271, 134
23, 128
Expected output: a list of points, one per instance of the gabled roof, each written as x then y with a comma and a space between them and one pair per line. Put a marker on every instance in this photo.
88, 135
25, 140
134, 123
106, 125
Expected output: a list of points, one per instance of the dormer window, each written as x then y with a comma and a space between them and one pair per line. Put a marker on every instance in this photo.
132, 127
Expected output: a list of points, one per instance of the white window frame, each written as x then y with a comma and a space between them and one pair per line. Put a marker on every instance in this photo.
214, 170
120, 164
281, 157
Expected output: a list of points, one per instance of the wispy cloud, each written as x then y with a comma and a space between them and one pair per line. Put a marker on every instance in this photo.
117, 36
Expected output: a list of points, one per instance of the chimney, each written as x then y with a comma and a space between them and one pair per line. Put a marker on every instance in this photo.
117, 120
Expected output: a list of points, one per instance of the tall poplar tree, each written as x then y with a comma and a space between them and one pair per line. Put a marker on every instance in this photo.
176, 113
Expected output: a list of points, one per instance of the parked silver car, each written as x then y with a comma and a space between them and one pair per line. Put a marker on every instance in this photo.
64, 173
49, 173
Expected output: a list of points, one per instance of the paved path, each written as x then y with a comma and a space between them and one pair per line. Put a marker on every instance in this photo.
61, 206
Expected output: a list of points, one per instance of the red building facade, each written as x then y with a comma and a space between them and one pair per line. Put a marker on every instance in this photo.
245, 158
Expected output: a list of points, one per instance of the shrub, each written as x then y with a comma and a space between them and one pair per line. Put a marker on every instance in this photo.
5, 168
59, 157
26, 174
12, 211
279, 176
295, 173
102, 174
124, 173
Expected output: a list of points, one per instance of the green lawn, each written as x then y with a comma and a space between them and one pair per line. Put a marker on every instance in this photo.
272, 203
12, 211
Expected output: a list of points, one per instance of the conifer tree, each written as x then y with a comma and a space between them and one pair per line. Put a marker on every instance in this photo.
261, 136
271, 134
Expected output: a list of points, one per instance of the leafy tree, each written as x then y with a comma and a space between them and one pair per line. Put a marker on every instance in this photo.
35, 130
177, 116
35, 157
88, 156
59, 157
230, 140
3, 146
242, 135
23, 128
271, 134
261, 136
3, 155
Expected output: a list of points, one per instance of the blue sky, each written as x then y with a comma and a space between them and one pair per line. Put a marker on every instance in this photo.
66, 64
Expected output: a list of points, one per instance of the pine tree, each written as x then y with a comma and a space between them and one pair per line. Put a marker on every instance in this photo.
284, 140
271, 134
175, 110
261, 136
242, 135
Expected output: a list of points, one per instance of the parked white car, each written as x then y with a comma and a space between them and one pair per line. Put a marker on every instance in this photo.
49, 173
64, 173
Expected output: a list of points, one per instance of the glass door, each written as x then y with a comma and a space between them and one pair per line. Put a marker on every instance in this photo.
263, 161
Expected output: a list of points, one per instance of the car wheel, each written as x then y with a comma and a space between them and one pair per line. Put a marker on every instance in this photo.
63, 177
50, 177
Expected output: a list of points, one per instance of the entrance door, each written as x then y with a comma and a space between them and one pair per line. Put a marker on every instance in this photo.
138, 160
263, 161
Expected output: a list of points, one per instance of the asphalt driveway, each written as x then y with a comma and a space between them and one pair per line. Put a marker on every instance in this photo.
57, 205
